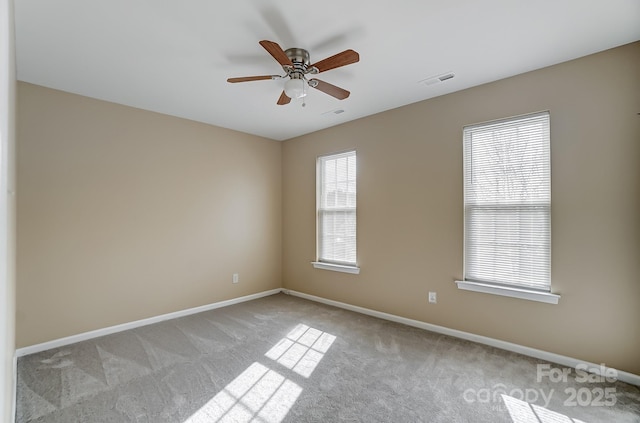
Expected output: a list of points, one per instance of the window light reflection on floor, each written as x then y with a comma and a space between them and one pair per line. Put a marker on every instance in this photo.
259, 394
302, 349
523, 412
262, 395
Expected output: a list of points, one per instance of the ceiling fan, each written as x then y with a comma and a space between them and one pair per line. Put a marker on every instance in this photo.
297, 65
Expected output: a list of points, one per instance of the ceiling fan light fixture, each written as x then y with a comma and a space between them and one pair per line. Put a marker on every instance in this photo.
295, 88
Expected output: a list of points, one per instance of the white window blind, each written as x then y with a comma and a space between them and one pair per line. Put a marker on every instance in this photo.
337, 208
507, 202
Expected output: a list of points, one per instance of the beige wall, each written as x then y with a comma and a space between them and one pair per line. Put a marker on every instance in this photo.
7, 209
410, 210
125, 214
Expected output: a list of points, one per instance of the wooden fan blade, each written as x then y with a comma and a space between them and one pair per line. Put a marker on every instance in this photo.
332, 90
250, 78
284, 99
276, 51
347, 57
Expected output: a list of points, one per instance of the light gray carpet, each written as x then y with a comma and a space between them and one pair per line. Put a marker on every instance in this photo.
282, 358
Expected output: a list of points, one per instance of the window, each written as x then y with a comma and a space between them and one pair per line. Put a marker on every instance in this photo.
507, 208
336, 212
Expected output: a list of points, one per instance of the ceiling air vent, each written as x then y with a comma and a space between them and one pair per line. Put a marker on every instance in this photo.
333, 112
437, 79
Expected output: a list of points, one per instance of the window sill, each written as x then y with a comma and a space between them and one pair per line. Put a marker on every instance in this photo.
525, 294
336, 267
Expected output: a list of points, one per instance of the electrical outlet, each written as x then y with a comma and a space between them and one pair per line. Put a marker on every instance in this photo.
432, 297
236, 278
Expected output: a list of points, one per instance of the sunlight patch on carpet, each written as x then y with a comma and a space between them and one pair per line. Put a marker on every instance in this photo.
302, 349
258, 394
262, 395
523, 412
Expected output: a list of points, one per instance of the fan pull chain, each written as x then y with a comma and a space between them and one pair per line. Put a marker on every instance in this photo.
304, 92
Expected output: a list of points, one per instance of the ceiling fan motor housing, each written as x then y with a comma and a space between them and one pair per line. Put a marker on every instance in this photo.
301, 60
298, 55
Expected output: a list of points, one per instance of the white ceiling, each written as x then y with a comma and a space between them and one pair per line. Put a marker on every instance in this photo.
174, 57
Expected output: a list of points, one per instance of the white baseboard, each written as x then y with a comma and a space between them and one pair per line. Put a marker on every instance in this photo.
508, 346
136, 324
520, 349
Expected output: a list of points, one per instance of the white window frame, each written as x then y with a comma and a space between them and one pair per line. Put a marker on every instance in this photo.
542, 290
321, 262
